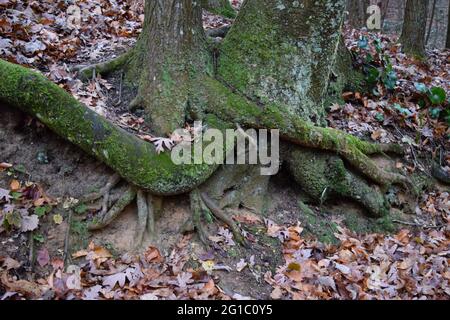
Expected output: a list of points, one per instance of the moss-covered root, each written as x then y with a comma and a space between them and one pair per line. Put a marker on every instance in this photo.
322, 176
133, 159
232, 107
103, 68
102, 222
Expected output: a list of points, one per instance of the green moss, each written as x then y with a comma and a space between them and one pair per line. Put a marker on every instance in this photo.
363, 225
105, 68
318, 226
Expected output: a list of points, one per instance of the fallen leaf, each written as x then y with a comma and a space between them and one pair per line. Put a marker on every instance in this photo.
241, 265
10, 263
277, 293
57, 219
14, 185
43, 257
5, 165
29, 223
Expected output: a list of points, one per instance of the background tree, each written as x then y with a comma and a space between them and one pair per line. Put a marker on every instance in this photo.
357, 13
414, 28
432, 10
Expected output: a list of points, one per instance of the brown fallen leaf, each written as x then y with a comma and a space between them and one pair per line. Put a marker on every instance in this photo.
10, 263
277, 293
14, 185
5, 165
101, 253
152, 255
247, 217
79, 254
43, 257
376, 135
24, 287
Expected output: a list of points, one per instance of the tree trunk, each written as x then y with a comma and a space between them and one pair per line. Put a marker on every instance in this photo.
357, 13
168, 52
430, 25
282, 52
219, 7
447, 44
384, 5
414, 28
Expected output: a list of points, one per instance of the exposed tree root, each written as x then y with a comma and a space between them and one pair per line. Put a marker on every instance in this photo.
440, 174
142, 217
222, 216
151, 213
138, 162
112, 182
103, 68
323, 176
197, 214
233, 107
218, 32
132, 158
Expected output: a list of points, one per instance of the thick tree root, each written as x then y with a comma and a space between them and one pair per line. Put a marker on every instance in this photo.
145, 211
132, 158
103, 68
323, 176
234, 108
138, 162
202, 203
151, 208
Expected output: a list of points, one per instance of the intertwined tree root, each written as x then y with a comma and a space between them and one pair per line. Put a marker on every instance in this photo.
149, 172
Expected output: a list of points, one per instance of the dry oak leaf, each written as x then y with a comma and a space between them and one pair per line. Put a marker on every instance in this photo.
24, 287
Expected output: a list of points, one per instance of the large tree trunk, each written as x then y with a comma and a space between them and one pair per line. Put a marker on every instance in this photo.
414, 28
282, 52
357, 13
447, 44
169, 51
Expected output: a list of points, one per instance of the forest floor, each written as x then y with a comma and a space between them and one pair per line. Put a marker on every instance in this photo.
46, 251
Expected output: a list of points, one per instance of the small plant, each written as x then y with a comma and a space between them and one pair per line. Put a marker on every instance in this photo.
377, 67
436, 98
